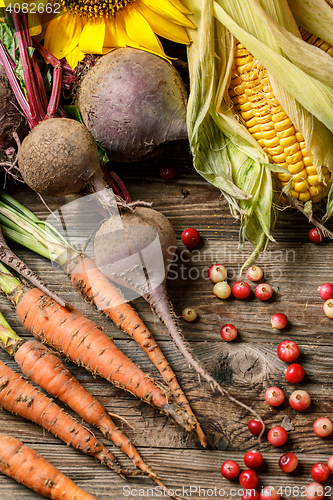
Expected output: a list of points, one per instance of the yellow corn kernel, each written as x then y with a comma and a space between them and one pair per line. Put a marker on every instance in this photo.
283, 177
301, 186
313, 180
315, 190
296, 167
304, 196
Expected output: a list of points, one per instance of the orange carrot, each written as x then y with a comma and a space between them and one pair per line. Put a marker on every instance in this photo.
27, 467
71, 333
21, 398
87, 277
44, 368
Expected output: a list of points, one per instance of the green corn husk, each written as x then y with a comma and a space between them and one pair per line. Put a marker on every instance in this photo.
224, 152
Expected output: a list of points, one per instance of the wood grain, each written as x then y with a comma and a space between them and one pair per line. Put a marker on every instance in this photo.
246, 368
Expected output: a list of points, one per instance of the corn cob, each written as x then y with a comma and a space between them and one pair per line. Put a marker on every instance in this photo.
251, 93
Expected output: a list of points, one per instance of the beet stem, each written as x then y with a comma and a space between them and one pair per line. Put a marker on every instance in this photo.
159, 301
122, 187
56, 90
18, 92
27, 71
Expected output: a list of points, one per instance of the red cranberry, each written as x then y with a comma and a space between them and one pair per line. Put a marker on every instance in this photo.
230, 469
320, 472
279, 321
288, 462
300, 400
166, 173
190, 237
314, 491
263, 291
228, 332
269, 493
274, 396
288, 351
253, 459
326, 291
294, 373
250, 495
316, 235
255, 426
240, 290
277, 436
323, 427
249, 479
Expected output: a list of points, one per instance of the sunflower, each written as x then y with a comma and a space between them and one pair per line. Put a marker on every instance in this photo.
98, 26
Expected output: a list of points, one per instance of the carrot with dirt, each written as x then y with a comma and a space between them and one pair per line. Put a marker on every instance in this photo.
46, 370
21, 398
29, 468
71, 333
24, 227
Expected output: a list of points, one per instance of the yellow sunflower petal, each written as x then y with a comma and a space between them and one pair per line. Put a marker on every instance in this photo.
92, 37
168, 11
74, 57
35, 24
115, 34
63, 35
181, 7
138, 30
2, 4
164, 27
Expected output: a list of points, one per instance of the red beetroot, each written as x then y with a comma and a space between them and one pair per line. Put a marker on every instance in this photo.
249, 479
277, 436
326, 291
314, 491
320, 472
288, 351
253, 459
274, 396
300, 400
269, 493
230, 469
288, 462
294, 373
255, 426
240, 290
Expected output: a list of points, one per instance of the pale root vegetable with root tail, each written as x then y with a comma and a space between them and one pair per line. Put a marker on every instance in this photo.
29, 468
138, 256
22, 226
71, 333
46, 369
132, 101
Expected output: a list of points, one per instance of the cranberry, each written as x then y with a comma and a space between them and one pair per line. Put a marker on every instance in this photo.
294, 373
316, 235
249, 479
288, 462
279, 321
320, 472
166, 173
240, 290
250, 495
274, 396
228, 332
323, 427
189, 314
190, 237
314, 491
277, 436
328, 308
230, 469
253, 459
288, 351
255, 426
263, 291
217, 273
254, 273
330, 463
222, 290
300, 400
269, 493
326, 291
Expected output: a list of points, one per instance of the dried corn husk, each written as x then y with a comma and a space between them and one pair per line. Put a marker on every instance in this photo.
224, 152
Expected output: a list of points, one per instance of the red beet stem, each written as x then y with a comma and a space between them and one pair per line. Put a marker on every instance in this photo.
159, 301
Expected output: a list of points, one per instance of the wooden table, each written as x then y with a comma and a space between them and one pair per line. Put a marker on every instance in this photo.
294, 266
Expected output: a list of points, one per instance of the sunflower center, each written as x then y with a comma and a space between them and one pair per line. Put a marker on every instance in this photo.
95, 8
